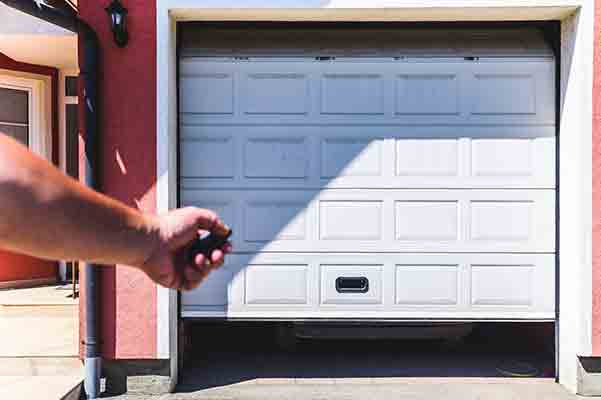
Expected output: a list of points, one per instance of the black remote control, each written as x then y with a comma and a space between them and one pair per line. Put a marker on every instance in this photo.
206, 244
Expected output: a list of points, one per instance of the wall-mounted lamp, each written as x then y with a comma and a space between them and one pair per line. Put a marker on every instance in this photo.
118, 16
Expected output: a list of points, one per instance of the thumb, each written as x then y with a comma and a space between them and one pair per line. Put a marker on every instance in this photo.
209, 221
184, 223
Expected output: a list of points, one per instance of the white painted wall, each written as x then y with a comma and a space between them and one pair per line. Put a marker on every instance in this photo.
577, 18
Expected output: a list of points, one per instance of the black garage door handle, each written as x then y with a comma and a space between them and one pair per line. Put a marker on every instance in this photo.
345, 284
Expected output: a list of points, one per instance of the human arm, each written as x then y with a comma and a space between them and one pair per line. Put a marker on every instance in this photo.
47, 214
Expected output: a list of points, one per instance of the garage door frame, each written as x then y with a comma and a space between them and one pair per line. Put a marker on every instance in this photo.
575, 172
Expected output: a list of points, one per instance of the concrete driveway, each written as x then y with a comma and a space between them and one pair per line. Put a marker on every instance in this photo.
244, 363
398, 389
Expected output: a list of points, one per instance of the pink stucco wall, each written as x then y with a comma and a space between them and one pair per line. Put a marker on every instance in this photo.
128, 173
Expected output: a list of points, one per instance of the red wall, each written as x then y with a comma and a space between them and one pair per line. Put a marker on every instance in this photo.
596, 148
128, 157
15, 267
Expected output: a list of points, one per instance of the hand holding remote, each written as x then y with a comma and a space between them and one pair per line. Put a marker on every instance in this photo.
190, 243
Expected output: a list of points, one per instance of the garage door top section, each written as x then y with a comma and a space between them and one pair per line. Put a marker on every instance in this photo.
198, 40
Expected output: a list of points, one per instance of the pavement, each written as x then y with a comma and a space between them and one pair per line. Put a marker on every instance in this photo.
402, 389
39, 347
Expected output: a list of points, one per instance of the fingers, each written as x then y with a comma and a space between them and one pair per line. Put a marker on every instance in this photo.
194, 277
193, 274
227, 248
217, 257
196, 273
205, 219
209, 221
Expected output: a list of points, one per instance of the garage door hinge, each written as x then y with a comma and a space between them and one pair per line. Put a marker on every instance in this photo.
471, 58
325, 58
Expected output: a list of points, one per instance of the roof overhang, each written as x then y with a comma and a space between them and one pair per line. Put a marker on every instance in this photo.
27, 39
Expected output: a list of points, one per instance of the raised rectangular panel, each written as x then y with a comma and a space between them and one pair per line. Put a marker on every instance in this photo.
207, 157
360, 94
276, 93
427, 284
502, 157
207, 94
276, 284
350, 220
275, 158
427, 94
501, 220
330, 295
267, 221
213, 291
351, 157
504, 94
502, 285
426, 157
426, 220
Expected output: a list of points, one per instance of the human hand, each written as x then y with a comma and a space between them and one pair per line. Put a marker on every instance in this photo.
168, 264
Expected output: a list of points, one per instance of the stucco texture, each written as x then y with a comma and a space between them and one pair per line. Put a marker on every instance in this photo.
127, 110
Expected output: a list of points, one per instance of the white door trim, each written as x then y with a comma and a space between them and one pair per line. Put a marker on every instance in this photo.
575, 174
40, 110
63, 100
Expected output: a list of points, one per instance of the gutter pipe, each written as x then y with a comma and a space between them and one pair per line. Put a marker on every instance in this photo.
49, 10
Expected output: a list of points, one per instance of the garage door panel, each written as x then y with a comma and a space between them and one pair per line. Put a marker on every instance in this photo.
525, 93
215, 290
427, 285
266, 220
428, 157
502, 285
432, 220
386, 220
369, 288
351, 156
339, 94
285, 157
399, 286
276, 284
427, 93
364, 157
208, 93
209, 157
275, 93
387, 91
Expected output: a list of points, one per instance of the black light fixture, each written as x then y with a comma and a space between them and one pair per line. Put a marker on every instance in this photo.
118, 16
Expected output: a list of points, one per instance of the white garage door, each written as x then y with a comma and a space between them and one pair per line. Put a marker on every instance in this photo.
374, 186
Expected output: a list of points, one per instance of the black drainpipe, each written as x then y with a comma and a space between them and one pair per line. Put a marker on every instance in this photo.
47, 11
